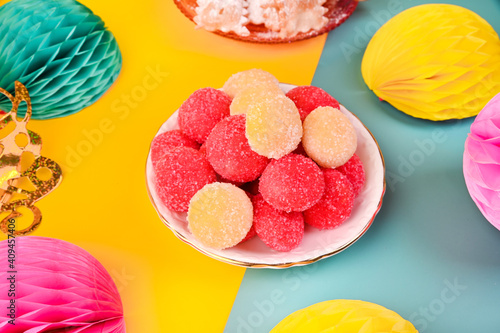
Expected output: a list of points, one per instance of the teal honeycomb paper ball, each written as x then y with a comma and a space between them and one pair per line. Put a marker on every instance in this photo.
60, 51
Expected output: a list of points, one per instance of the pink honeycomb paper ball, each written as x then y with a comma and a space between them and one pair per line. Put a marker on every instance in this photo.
482, 161
59, 287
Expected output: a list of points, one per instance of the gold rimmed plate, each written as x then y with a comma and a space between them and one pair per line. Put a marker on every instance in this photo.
338, 12
317, 244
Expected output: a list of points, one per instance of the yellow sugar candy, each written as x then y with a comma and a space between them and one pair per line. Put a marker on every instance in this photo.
344, 316
329, 137
220, 215
273, 126
434, 61
246, 79
251, 95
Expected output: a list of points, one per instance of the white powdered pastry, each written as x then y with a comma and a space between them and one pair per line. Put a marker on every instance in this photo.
288, 17
223, 15
264, 11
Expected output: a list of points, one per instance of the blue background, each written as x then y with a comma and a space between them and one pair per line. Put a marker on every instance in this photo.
430, 255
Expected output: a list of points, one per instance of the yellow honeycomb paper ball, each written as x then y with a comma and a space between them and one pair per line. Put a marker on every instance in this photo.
344, 316
435, 62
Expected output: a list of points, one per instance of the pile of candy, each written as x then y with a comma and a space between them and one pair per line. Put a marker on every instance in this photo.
250, 160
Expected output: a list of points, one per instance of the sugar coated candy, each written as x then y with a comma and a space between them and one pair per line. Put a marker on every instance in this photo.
336, 204
329, 137
246, 79
278, 229
308, 98
292, 183
179, 175
202, 111
167, 140
220, 215
355, 172
230, 154
251, 95
273, 126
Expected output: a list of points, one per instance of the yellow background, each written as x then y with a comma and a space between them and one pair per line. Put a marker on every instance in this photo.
102, 204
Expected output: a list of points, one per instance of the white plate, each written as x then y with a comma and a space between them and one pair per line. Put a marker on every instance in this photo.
317, 244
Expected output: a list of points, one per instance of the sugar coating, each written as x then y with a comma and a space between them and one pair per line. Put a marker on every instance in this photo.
355, 172
171, 139
250, 95
223, 15
292, 183
230, 154
220, 215
202, 111
308, 98
329, 137
279, 230
179, 175
336, 204
246, 79
273, 126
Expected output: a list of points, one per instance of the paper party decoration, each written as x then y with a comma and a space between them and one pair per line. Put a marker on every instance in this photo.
57, 287
482, 161
60, 51
22, 168
434, 61
344, 316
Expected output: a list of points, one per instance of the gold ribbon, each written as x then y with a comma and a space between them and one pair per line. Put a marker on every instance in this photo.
13, 194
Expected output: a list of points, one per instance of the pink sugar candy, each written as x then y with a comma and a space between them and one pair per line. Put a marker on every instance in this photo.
230, 154
355, 172
171, 139
292, 183
279, 230
180, 174
202, 111
335, 206
308, 98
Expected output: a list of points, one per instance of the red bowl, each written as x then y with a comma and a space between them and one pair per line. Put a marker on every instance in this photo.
338, 12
